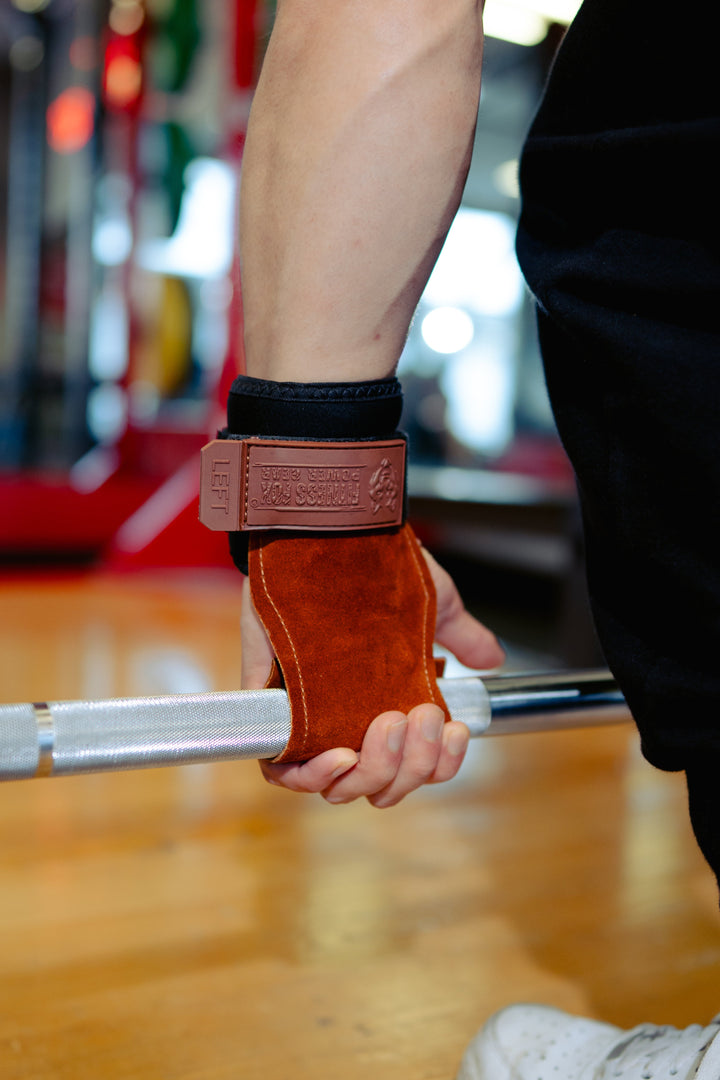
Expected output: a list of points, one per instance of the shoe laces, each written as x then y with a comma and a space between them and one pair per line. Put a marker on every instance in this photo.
649, 1052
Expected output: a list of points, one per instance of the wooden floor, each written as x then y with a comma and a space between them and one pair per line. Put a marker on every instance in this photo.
195, 923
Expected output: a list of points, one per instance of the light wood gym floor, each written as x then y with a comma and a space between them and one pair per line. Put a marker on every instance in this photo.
195, 923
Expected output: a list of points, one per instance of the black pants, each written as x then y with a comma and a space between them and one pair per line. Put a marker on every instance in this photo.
619, 241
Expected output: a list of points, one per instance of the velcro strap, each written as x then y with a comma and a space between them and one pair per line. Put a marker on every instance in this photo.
331, 486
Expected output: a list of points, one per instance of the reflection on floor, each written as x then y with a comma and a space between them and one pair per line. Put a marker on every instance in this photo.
195, 923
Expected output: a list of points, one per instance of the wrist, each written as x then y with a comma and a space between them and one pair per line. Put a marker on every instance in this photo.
314, 457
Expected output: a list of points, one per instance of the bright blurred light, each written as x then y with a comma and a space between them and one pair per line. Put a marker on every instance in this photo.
515, 24
506, 179
480, 387
477, 269
526, 22
70, 120
112, 237
447, 329
126, 18
109, 332
561, 11
112, 241
215, 295
469, 312
123, 81
31, 6
107, 412
202, 245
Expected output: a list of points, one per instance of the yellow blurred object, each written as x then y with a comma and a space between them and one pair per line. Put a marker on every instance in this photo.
164, 346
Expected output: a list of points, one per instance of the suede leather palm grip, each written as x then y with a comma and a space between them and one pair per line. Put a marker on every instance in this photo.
330, 604
263, 483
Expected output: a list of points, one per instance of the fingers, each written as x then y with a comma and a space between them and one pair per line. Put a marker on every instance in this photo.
381, 755
459, 631
471, 642
433, 754
311, 777
401, 754
380, 759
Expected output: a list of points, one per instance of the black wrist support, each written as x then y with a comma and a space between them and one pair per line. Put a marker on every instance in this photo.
309, 411
366, 410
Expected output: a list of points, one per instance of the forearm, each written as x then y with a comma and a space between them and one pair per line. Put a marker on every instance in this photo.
358, 148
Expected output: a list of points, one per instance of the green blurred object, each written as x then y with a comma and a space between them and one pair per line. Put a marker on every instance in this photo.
180, 152
176, 39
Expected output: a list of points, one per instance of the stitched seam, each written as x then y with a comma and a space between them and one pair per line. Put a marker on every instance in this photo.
290, 642
416, 556
246, 485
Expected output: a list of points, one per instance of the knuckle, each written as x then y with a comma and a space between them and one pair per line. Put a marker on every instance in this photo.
418, 772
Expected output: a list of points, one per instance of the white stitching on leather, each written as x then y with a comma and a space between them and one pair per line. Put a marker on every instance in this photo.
290, 641
430, 680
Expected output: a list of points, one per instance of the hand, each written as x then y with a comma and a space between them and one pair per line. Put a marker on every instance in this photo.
399, 753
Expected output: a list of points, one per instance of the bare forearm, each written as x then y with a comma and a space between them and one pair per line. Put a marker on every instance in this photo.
359, 143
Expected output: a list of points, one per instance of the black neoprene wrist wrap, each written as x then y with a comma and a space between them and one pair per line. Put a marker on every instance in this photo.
314, 411
366, 410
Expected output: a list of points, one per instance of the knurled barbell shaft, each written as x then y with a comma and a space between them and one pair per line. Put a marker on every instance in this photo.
61, 738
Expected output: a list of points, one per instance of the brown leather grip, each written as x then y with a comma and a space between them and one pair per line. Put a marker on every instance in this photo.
351, 620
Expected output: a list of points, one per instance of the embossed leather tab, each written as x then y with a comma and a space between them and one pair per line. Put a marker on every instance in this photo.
220, 485
258, 483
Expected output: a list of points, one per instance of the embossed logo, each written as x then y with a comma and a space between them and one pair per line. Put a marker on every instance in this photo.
384, 487
302, 487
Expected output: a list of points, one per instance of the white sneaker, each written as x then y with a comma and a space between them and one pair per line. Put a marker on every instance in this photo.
536, 1042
